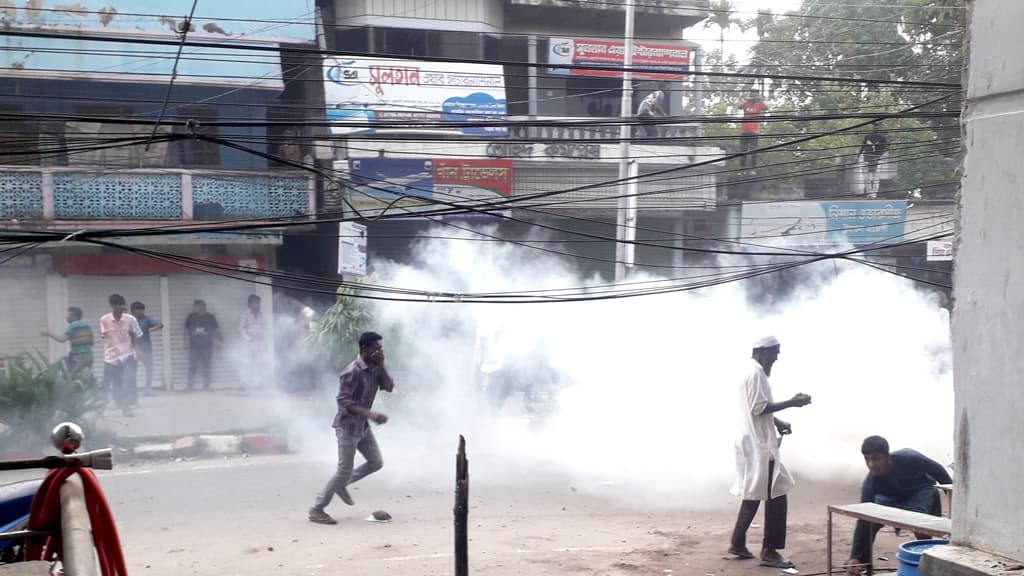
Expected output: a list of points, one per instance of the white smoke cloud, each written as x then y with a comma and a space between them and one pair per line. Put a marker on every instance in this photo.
649, 385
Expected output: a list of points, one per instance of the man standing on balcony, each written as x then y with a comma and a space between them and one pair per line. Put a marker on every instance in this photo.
750, 129
201, 333
121, 333
653, 105
875, 145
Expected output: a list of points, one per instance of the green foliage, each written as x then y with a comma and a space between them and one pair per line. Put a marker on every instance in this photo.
337, 333
919, 40
36, 395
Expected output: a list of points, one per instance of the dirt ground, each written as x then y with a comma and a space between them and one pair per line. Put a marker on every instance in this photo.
249, 517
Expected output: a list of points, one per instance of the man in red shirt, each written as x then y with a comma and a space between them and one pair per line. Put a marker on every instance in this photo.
750, 129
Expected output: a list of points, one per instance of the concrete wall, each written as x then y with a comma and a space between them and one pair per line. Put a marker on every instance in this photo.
989, 288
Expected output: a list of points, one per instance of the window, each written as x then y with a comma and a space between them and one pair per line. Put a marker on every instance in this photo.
191, 152
28, 141
99, 142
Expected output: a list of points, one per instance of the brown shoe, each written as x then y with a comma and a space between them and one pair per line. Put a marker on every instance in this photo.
320, 517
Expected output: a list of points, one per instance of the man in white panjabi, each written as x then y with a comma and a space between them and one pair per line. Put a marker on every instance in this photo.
760, 473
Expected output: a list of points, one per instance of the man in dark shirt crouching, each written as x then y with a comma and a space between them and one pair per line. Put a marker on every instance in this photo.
904, 479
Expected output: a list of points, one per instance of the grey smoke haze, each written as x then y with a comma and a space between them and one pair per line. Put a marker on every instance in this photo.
650, 384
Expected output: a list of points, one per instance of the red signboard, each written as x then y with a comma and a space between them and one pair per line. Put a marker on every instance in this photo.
486, 175
660, 61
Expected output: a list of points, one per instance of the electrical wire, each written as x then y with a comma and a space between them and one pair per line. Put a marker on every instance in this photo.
387, 56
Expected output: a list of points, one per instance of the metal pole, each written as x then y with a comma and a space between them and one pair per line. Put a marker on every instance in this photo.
698, 65
632, 187
461, 510
623, 257
531, 57
76, 531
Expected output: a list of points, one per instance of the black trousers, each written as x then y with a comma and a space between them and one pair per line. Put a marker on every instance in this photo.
748, 143
775, 512
200, 360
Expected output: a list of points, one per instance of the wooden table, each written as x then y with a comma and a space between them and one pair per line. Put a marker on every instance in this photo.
947, 495
916, 522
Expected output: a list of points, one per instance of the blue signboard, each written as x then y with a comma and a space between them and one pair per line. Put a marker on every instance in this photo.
845, 223
865, 221
376, 182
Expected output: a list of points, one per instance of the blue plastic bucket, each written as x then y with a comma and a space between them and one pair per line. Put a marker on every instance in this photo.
910, 555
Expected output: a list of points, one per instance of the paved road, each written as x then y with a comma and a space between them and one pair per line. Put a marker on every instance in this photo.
247, 516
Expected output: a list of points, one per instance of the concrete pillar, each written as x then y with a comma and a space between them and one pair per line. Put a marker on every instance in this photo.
56, 314
169, 332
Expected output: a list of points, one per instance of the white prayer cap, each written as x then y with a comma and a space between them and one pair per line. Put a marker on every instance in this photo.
766, 342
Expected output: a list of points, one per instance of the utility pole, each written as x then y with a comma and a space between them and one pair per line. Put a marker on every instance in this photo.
461, 510
531, 56
625, 219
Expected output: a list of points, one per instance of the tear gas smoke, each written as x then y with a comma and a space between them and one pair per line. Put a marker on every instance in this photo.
647, 388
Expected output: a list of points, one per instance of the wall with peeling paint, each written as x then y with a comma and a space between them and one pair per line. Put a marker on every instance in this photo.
262, 21
291, 19
988, 327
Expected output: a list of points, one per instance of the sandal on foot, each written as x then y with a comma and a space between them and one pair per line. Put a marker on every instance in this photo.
780, 562
741, 553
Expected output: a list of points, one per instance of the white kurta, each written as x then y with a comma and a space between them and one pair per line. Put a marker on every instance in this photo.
758, 443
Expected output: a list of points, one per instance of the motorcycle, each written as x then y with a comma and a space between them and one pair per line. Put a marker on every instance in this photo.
16, 498
15, 503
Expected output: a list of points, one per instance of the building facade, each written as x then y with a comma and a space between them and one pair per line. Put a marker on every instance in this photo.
405, 122
988, 534
86, 119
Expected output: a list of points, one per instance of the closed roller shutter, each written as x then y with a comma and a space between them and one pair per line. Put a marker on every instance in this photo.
91, 294
23, 309
226, 300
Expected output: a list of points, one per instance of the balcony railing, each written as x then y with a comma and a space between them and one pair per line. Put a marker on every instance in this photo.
76, 194
579, 129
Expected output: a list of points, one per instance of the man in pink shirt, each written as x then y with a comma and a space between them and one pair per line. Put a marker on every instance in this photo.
120, 333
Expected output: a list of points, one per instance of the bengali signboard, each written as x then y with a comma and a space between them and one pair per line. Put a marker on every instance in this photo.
668, 7
671, 60
408, 186
351, 249
364, 95
856, 222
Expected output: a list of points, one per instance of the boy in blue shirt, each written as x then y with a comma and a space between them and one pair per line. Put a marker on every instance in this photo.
144, 352
79, 335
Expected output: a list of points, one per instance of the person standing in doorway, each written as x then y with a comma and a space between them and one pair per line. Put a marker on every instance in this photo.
252, 329
201, 333
148, 325
760, 473
121, 333
79, 335
750, 129
359, 385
